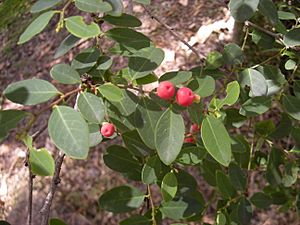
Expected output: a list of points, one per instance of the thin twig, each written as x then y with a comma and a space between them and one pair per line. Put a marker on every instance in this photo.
30, 189
200, 56
45, 210
152, 206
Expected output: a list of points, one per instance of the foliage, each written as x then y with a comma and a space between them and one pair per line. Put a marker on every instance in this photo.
233, 141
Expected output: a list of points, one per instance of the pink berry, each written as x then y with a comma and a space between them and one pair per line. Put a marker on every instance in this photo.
189, 140
195, 128
185, 96
107, 129
165, 90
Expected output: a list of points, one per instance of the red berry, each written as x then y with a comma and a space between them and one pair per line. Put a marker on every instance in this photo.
195, 128
107, 130
189, 140
185, 96
165, 90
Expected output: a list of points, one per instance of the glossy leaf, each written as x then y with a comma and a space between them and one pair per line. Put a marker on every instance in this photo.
169, 186
36, 26
65, 74
291, 105
146, 117
243, 10
292, 38
91, 107
203, 86
151, 170
69, 132
144, 62
216, 140
261, 200
30, 92
169, 136
125, 20
66, 45
93, 6
41, 162
41, 5
255, 106
255, 80
121, 199
111, 92
76, 26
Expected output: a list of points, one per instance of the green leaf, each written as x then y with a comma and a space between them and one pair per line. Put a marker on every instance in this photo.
9, 119
69, 132
244, 211
255, 80
127, 105
121, 199
76, 26
117, 6
30, 92
264, 128
146, 80
41, 162
36, 26
135, 144
291, 105
42, 5
119, 159
144, 61
262, 39
273, 174
296, 88
145, 2
93, 6
283, 129
237, 177
169, 136
91, 107
169, 186
125, 20
286, 15
216, 140
85, 60
243, 10
202, 86
290, 64
191, 155
196, 112
128, 38
225, 187
233, 93
111, 92
292, 38
151, 170
261, 200
290, 175
269, 10
56, 221
65, 74
233, 54
136, 220
214, 60
146, 117
176, 77
256, 106
66, 45
234, 118
95, 136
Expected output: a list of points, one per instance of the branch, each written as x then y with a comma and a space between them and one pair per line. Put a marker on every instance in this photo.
30, 189
200, 56
45, 211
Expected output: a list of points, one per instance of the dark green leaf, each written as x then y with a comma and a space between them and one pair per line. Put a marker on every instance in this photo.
216, 140
41, 162
225, 187
56, 221
234, 118
76, 26
41, 5
264, 128
292, 38
269, 10
93, 6
244, 211
69, 132
66, 45
128, 103
85, 60
191, 155
273, 173
237, 177
121, 199
255, 106
36, 26
135, 144
262, 39
136, 220
151, 170
125, 20
196, 112
233, 54
261, 200
65, 74
169, 136
91, 107
30, 92
291, 105
243, 10
146, 80
177, 78
283, 129
111, 92
169, 186
144, 61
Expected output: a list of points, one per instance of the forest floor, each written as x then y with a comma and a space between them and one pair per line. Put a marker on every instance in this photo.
82, 182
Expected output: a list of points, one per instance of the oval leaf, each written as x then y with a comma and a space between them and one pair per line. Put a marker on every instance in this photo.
43, 5
243, 10
203, 86
169, 136
255, 80
65, 74
76, 26
216, 140
69, 132
66, 45
41, 162
125, 20
151, 170
291, 105
169, 186
117, 7
292, 38
93, 6
30, 92
111, 92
